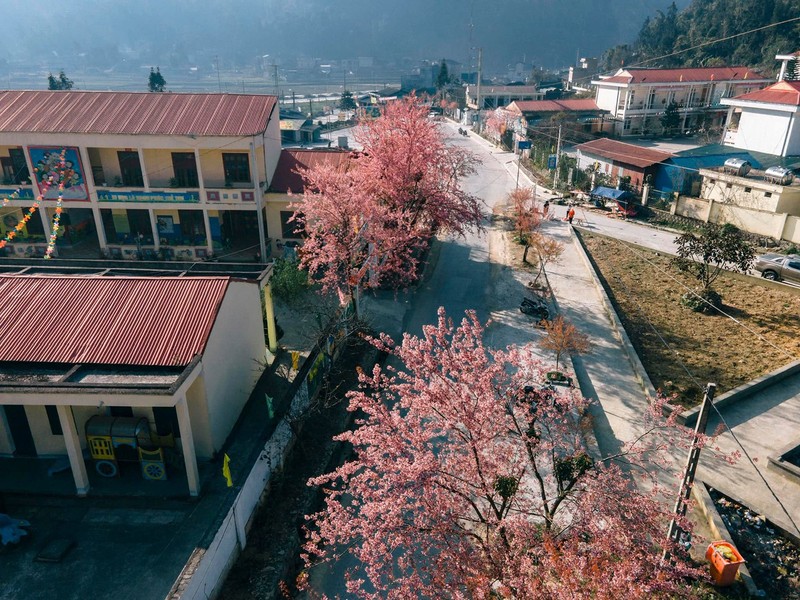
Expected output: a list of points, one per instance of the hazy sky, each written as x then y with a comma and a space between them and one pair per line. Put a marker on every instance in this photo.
549, 33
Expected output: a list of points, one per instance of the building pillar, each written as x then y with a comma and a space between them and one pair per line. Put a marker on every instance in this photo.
207, 225
259, 197
74, 452
143, 167
154, 229
269, 313
46, 223
187, 446
91, 190
200, 181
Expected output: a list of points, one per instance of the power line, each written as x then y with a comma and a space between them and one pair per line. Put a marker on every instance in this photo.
697, 382
701, 45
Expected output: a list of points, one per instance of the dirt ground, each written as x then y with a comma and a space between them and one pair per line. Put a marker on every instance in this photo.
681, 350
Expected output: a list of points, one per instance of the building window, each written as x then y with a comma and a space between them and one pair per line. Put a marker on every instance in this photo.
237, 167
729, 186
130, 169
747, 190
185, 169
52, 418
767, 194
627, 125
289, 229
20, 166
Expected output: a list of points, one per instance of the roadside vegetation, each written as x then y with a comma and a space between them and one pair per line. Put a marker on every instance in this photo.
755, 332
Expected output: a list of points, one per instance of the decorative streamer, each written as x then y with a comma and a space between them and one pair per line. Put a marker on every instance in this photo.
48, 183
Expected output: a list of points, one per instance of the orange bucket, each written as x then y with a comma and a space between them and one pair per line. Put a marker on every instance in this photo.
724, 559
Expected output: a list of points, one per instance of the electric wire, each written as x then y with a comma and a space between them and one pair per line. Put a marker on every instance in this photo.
700, 45
698, 383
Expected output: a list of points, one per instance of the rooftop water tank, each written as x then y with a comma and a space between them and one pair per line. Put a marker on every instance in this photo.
779, 175
737, 166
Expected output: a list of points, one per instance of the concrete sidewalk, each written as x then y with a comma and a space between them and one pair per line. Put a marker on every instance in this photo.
764, 423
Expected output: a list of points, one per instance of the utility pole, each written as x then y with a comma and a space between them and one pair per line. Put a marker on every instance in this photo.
558, 158
294, 106
478, 88
676, 532
219, 81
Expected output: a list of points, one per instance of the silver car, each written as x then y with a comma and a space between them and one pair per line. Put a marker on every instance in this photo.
779, 267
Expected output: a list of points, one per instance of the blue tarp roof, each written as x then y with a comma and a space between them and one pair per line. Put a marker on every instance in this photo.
611, 193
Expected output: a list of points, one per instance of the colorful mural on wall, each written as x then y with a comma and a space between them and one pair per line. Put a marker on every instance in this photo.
47, 163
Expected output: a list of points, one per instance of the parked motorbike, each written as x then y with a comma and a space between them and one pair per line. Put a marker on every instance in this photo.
535, 308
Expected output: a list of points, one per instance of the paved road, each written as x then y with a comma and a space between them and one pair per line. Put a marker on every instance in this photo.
470, 274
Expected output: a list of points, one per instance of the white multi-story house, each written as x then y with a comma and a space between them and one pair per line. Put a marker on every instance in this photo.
637, 98
150, 175
766, 120
498, 96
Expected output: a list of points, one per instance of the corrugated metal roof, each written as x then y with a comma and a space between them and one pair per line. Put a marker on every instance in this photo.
701, 74
783, 92
152, 321
287, 179
579, 104
134, 113
624, 153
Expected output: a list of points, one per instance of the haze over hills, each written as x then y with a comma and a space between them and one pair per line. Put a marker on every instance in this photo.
175, 33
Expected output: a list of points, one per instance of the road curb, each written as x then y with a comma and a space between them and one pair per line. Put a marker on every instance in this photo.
621, 334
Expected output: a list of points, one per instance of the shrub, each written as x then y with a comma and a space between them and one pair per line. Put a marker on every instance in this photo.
288, 279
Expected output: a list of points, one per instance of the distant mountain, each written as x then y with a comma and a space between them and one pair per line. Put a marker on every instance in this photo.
547, 33
715, 32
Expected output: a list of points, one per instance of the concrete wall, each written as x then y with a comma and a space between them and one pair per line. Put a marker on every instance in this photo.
762, 130
233, 358
774, 225
206, 569
759, 222
199, 417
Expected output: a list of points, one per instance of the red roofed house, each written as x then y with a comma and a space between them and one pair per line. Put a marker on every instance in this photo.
584, 112
287, 180
766, 120
172, 360
154, 176
618, 159
636, 98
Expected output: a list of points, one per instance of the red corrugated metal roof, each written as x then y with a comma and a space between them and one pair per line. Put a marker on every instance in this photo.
624, 153
701, 74
152, 321
783, 92
580, 104
133, 113
286, 179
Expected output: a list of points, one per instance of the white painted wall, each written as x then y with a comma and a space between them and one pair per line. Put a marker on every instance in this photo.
607, 97
763, 130
793, 141
233, 358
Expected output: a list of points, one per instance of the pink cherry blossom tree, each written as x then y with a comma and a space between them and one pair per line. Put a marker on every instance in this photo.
408, 167
366, 224
471, 480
